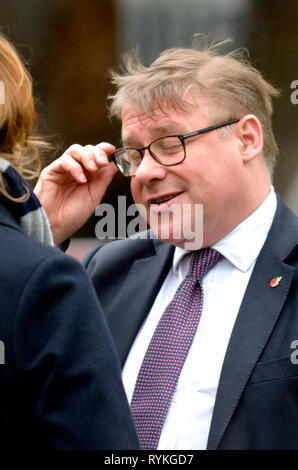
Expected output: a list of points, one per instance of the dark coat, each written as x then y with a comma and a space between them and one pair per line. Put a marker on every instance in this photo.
60, 385
256, 405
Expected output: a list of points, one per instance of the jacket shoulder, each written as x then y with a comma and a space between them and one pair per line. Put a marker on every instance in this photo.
120, 253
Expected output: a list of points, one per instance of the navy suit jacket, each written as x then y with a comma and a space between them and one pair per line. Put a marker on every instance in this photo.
60, 382
256, 405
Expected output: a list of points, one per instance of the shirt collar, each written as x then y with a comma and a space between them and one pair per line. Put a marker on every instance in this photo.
242, 246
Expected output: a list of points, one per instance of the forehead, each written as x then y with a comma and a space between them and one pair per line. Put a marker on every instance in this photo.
137, 124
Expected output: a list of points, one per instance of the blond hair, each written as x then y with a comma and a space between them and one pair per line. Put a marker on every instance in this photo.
232, 86
17, 118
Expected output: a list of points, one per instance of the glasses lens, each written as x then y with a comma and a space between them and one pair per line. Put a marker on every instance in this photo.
127, 161
168, 150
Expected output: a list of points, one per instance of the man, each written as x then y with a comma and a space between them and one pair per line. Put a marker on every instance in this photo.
196, 130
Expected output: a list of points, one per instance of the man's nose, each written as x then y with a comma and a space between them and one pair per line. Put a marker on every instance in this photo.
149, 169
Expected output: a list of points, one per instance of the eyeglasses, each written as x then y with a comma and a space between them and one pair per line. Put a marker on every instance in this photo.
168, 151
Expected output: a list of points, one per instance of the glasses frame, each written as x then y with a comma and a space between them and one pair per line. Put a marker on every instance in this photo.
182, 137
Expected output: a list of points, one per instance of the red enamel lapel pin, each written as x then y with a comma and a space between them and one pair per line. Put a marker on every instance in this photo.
275, 281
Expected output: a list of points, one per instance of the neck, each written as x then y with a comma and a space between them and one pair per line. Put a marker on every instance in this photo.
240, 208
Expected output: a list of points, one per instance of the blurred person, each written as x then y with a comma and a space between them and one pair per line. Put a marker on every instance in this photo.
60, 377
206, 336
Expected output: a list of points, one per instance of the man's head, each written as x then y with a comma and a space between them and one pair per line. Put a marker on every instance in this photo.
226, 170
232, 86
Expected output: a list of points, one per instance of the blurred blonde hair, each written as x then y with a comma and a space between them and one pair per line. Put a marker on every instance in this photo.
231, 85
17, 118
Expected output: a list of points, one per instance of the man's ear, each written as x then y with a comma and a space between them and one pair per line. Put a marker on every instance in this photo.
250, 134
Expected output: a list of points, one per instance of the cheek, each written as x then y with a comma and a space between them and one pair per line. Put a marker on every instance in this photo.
206, 185
198, 179
135, 191
214, 170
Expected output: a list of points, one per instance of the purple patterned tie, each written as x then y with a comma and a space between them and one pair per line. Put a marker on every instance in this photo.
167, 351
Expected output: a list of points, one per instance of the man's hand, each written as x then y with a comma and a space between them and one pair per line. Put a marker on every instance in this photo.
72, 186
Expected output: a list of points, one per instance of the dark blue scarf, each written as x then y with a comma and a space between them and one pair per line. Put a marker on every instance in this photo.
29, 214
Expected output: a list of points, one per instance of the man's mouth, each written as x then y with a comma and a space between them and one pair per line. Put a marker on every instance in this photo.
164, 199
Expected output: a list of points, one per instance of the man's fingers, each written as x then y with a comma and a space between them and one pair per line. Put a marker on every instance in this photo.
80, 164
73, 167
102, 151
92, 158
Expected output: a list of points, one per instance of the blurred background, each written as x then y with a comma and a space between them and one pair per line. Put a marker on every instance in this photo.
70, 46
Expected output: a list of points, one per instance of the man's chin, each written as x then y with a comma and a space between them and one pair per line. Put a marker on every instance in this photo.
190, 244
180, 225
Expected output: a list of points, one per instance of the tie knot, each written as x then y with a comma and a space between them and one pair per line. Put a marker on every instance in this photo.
202, 261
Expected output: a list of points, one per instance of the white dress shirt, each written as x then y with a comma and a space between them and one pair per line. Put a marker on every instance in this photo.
189, 416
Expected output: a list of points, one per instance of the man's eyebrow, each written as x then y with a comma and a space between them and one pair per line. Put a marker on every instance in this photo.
169, 129
159, 131
128, 142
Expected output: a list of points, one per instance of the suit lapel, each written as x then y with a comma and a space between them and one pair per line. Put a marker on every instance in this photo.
257, 316
137, 295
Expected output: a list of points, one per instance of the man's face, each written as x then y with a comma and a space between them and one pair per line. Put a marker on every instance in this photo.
212, 174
